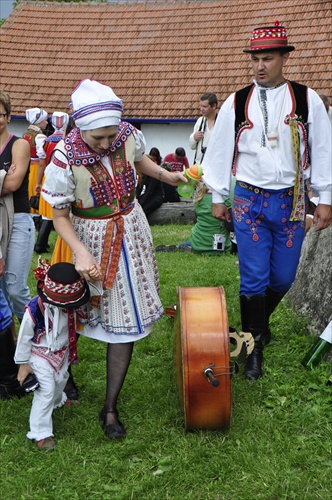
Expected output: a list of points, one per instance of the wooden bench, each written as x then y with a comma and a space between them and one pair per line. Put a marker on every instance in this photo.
173, 213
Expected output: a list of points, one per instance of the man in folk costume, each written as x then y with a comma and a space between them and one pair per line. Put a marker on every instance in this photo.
45, 149
275, 135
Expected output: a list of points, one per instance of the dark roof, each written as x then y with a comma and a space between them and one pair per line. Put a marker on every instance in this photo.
158, 56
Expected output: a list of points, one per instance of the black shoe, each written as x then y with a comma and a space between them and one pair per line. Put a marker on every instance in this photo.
166, 248
11, 390
184, 248
112, 431
40, 250
253, 369
267, 337
71, 389
41, 245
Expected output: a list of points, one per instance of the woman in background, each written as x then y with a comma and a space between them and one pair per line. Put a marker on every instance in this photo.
16, 151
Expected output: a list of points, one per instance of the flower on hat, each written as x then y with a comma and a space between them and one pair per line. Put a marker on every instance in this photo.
41, 271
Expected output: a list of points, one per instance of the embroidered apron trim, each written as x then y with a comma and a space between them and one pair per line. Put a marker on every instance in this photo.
111, 252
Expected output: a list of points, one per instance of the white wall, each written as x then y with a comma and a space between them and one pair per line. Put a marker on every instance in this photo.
165, 137
17, 127
168, 137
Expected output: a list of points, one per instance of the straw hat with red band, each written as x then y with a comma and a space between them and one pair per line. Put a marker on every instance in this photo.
61, 285
269, 38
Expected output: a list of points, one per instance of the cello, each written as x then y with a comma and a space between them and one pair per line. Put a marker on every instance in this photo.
202, 354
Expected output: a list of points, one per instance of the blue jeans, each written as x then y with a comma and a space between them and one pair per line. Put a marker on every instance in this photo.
269, 245
5, 313
18, 262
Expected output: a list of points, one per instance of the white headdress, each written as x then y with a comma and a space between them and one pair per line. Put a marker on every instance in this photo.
60, 120
95, 105
35, 115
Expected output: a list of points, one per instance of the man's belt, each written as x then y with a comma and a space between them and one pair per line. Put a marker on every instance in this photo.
258, 190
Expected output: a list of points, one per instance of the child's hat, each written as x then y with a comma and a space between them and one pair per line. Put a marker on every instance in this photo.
61, 285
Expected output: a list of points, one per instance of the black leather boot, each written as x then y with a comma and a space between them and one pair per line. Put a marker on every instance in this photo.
253, 320
71, 389
9, 385
272, 299
41, 245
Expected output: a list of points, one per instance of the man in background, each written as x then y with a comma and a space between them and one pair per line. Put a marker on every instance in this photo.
200, 137
178, 160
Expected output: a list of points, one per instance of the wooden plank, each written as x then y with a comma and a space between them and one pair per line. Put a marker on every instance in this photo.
173, 213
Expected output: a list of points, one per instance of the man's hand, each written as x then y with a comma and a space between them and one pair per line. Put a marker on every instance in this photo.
198, 135
220, 211
322, 217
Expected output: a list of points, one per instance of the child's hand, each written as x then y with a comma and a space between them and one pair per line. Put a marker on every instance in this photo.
23, 372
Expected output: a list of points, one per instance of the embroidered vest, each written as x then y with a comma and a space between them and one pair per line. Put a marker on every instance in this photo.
30, 137
242, 121
97, 194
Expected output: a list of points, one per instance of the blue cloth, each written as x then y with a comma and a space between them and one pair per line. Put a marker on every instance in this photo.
5, 313
269, 245
18, 262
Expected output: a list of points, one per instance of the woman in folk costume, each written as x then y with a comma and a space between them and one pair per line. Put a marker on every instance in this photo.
44, 152
37, 119
92, 173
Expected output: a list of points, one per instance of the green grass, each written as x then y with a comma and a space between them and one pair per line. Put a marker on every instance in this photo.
278, 445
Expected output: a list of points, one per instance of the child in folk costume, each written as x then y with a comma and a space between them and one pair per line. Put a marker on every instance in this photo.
47, 342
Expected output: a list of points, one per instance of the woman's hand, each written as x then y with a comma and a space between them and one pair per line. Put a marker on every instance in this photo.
87, 266
173, 178
148, 167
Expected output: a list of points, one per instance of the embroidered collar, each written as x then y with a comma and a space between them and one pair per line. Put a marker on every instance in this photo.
79, 153
259, 86
55, 137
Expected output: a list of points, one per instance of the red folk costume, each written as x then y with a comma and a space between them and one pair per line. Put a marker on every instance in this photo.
33, 116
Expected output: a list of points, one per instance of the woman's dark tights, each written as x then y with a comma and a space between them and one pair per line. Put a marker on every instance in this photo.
118, 358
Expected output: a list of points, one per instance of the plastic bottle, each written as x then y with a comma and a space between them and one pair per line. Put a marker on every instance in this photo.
320, 347
194, 175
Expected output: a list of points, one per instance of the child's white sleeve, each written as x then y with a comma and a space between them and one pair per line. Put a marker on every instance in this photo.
23, 346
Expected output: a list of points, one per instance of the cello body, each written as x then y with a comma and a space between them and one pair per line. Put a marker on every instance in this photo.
202, 353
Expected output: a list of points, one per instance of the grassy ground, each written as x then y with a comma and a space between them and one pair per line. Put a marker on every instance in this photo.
278, 445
